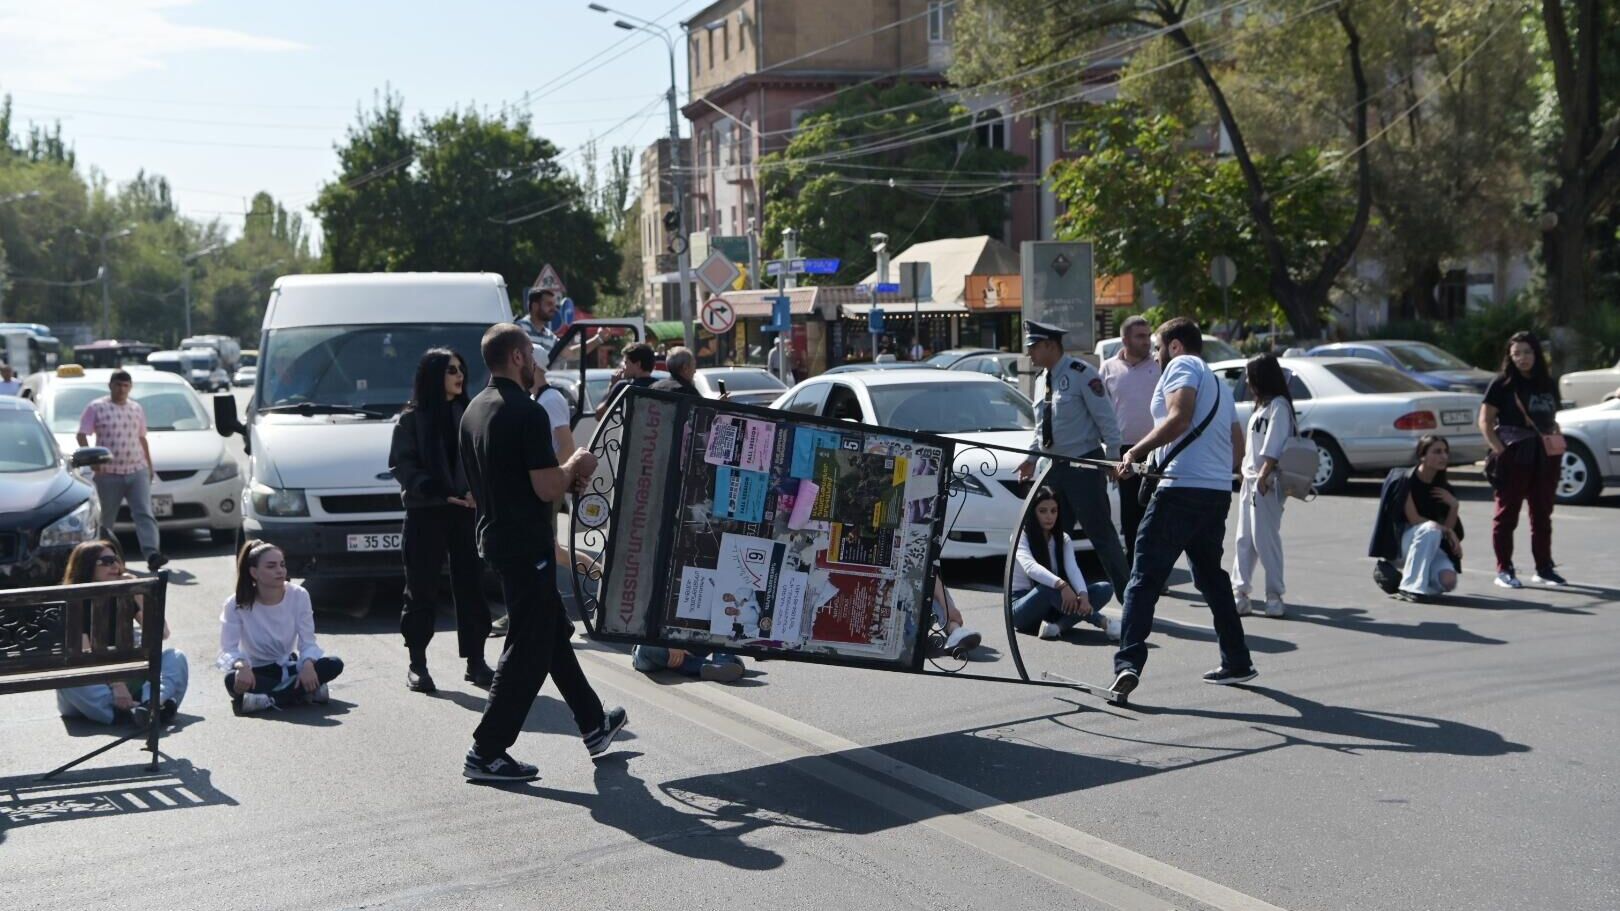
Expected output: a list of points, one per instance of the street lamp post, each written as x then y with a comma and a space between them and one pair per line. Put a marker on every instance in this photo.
683, 258
185, 263
101, 272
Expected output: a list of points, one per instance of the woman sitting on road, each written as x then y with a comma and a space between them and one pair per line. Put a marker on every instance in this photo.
1432, 532
114, 703
267, 641
1045, 601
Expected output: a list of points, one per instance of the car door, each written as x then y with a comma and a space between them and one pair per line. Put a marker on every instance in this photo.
572, 355
809, 399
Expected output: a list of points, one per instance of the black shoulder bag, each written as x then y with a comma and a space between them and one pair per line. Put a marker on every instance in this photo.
1151, 483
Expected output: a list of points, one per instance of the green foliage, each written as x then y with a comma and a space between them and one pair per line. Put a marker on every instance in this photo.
944, 187
1155, 207
462, 192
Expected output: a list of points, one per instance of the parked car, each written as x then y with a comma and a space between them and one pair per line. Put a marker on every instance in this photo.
1431, 366
47, 503
1215, 349
948, 358
865, 366
969, 407
1365, 417
999, 364
746, 385
199, 485
1589, 387
245, 376
1593, 457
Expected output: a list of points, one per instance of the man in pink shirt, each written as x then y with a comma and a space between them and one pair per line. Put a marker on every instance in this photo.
1130, 377
119, 426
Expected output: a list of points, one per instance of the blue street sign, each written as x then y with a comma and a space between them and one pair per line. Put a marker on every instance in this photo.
820, 266
888, 288
863, 289
775, 267
874, 321
781, 315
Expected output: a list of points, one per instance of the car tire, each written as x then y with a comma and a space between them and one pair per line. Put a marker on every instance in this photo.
1332, 468
1579, 480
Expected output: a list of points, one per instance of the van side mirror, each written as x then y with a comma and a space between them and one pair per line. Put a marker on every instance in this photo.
226, 420
90, 456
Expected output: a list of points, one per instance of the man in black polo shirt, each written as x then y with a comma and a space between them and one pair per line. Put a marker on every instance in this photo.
513, 472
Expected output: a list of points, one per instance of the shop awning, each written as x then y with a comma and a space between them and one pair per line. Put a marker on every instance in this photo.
906, 308
667, 330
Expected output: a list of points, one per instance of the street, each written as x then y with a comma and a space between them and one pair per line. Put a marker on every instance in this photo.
1391, 755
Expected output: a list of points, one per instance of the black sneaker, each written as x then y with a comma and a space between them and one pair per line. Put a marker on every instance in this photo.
156, 562
1124, 682
598, 741
417, 679
480, 675
500, 768
1223, 677
168, 710
141, 717
1548, 577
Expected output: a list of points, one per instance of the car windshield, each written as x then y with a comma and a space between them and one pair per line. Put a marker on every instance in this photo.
1421, 357
371, 367
952, 407
746, 381
168, 406
1370, 379
1216, 350
24, 444
946, 358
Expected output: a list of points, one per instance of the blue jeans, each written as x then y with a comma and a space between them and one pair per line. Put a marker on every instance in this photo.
1181, 520
95, 702
1044, 604
649, 658
136, 490
1425, 561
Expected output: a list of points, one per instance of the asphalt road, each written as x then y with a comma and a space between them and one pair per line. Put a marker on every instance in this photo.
1391, 755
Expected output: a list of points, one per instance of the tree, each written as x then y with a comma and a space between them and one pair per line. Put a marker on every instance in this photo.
945, 185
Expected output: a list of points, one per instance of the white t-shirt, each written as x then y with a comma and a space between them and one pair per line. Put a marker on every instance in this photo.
268, 633
1269, 430
1206, 463
556, 406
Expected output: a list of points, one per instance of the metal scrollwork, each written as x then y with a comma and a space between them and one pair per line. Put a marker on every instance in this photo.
589, 523
31, 631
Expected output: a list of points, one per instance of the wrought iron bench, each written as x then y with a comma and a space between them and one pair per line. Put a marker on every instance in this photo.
42, 636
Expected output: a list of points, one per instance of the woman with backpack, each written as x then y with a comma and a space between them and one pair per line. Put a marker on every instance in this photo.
1520, 421
1260, 503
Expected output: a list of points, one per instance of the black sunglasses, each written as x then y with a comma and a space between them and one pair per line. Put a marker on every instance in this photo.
108, 560
452, 370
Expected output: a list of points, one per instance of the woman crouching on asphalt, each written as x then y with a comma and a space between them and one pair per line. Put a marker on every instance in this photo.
1431, 539
114, 703
267, 641
1049, 593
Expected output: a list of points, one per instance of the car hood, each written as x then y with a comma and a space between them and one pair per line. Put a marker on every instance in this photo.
172, 450
976, 459
25, 491
327, 452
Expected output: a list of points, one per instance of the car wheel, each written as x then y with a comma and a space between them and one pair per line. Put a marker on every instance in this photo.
1578, 477
1332, 468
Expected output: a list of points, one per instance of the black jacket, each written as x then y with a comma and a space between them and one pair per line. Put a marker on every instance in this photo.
1391, 521
418, 460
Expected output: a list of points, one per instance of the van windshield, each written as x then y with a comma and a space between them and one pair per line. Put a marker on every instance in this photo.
371, 367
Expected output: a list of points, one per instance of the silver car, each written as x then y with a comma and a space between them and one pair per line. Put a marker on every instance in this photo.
1364, 416
1593, 456
745, 385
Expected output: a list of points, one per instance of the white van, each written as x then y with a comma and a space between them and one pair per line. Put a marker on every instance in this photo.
337, 358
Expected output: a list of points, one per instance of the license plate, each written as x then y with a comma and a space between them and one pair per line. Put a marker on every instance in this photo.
1456, 417
375, 542
162, 506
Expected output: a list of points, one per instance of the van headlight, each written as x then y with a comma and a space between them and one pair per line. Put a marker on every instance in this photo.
275, 501
224, 471
74, 528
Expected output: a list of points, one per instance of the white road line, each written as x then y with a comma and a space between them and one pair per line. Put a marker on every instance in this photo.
780, 737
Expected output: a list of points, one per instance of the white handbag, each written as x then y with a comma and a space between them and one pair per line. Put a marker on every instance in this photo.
1298, 465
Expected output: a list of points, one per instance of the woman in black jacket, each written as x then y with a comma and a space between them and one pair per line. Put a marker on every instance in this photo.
439, 518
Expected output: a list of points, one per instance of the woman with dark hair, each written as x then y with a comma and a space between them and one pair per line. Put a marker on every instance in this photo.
1260, 503
113, 703
1520, 421
267, 644
1049, 593
440, 519
1430, 529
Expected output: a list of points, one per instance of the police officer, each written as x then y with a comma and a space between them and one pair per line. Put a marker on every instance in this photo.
1075, 418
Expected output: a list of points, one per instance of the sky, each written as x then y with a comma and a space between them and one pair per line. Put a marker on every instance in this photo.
226, 98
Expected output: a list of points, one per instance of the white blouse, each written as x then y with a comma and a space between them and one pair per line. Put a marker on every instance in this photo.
1027, 573
268, 633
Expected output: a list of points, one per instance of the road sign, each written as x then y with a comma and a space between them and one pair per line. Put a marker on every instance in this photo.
717, 273
717, 316
1222, 271
874, 321
917, 281
775, 267
781, 314
819, 266
888, 287
549, 280
1058, 288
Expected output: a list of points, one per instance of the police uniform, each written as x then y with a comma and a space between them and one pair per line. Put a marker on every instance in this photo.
1075, 418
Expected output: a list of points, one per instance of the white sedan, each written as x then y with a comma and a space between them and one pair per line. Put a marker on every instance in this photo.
199, 484
970, 407
1593, 456
1588, 387
745, 385
1364, 416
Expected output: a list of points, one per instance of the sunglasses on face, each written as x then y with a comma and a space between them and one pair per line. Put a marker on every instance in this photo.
452, 370
108, 560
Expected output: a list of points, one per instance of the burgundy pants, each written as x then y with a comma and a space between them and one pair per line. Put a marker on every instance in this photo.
1534, 482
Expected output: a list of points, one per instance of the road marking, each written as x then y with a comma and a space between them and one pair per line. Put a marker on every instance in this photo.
785, 739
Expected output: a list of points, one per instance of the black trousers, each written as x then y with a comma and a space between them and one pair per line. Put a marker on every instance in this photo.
1130, 514
433, 533
537, 643
282, 684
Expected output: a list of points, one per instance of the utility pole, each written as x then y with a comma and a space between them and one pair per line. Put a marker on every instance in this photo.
185, 263
102, 274
790, 250
753, 254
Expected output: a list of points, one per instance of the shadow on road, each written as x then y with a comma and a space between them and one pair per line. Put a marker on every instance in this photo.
1359, 620
115, 791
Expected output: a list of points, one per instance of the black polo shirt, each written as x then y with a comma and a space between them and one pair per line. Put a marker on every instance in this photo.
505, 435
675, 385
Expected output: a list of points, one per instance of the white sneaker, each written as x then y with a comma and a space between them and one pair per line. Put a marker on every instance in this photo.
1275, 608
1508, 580
254, 702
1244, 605
1051, 631
1114, 625
964, 639
321, 696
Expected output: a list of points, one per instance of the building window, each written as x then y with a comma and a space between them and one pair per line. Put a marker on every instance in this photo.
697, 60
723, 142
936, 22
725, 38
990, 129
711, 49
745, 138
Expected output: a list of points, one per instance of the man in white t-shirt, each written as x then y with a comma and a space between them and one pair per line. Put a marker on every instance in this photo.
1196, 442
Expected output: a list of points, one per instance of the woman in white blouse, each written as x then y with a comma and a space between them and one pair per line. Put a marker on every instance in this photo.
1047, 601
267, 641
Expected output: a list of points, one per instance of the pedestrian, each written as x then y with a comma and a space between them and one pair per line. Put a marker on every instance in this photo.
637, 367
1129, 377
1049, 593
1260, 502
1187, 511
541, 304
1075, 418
115, 703
119, 426
682, 366
512, 470
267, 644
1429, 528
8, 381
425, 458
1520, 421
